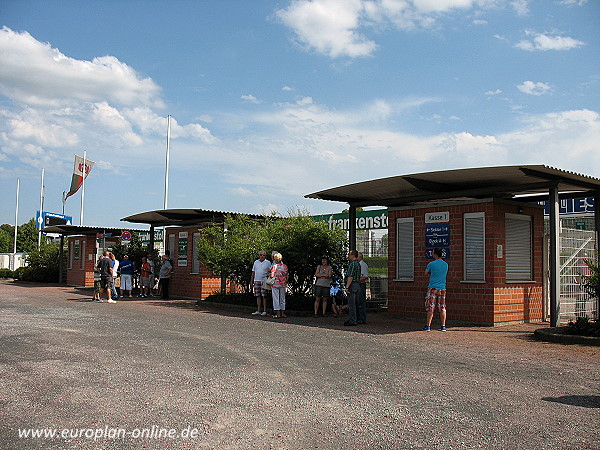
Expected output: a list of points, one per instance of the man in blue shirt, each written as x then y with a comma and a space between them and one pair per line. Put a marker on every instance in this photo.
437, 270
127, 267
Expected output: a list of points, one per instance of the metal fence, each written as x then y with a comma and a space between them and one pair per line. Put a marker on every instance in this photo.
577, 247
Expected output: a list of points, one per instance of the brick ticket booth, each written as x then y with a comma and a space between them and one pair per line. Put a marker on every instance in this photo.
490, 228
84, 247
190, 278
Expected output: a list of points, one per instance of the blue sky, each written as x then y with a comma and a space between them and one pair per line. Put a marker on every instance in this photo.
272, 100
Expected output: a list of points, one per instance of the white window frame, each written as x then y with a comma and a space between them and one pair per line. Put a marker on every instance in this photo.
517, 254
71, 252
405, 249
195, 262
474, 248
83, 255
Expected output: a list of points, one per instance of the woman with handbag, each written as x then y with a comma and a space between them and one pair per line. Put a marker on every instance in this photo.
279, 271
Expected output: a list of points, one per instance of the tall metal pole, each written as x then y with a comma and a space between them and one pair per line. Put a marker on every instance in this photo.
41, 210
82, 188
16, 226
166, 200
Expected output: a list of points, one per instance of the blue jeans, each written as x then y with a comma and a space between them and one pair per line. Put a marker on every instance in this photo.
361, 307
353, 300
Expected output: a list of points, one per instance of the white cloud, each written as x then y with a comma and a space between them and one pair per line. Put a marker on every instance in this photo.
521, 7
573, 2
34, 73
343, 28
61, 105
250, 98
533, 88
287, 88
543, 42
328, 26
496, 92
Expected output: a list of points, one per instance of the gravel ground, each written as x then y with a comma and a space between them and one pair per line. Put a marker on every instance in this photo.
230, 380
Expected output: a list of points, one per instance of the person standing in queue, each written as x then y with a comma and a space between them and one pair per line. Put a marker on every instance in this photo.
352, 287
165, 277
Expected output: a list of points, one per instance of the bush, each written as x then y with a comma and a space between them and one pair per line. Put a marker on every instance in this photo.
7, 273
292, 302
584, 327
37, 274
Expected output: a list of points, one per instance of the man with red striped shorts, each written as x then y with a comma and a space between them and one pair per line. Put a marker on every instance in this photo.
437, 270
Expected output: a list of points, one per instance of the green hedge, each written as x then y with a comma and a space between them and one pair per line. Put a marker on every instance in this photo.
292, 302
38, 274
7, 273
584, 327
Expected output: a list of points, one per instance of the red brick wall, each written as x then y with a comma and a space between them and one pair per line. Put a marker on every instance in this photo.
76, 275
184, 282
491, 302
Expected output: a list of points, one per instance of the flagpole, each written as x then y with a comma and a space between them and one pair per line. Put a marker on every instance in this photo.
16, 226
82, 190
41, 220
166, 200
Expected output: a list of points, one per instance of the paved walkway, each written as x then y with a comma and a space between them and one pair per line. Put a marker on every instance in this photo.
145, 370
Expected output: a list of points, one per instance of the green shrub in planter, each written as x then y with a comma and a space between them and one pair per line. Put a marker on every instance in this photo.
7, 273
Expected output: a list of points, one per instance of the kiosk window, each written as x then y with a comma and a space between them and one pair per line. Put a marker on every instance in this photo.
518, 248
405, 249
474, 235
195, 262
71, 251
83, 255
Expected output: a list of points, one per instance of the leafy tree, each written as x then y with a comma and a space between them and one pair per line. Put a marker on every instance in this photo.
298, 238
27, 237
6, 241
43, 264
232, 254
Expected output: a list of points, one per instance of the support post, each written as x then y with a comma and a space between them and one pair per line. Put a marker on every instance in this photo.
352, 227
554, 257
151, 244
60, 259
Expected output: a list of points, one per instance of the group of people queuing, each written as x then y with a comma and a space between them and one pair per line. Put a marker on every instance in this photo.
110, 274
273, 276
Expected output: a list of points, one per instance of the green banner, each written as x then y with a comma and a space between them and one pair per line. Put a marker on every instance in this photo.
365, 220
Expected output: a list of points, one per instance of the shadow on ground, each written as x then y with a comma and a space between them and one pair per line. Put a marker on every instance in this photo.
585, 401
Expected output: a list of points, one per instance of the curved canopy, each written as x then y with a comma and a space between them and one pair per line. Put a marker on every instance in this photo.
507, 182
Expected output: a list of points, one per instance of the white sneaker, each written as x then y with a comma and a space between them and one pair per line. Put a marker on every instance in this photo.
111, 301
264, 313
100, 301
256, 313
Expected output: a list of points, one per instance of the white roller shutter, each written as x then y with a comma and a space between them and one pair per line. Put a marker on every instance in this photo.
405, 249
474, 238
518, 248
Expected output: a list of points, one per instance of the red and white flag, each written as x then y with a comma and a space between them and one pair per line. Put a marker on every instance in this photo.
78, 171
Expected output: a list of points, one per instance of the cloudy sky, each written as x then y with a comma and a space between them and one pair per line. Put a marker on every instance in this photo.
271, 100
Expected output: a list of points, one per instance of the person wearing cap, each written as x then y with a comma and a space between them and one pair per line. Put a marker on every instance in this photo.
127, 267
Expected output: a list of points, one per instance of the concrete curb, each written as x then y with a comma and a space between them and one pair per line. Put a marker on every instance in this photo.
557, 335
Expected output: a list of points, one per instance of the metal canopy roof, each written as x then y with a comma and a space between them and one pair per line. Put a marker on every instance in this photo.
485, 182
181, 217
76, 230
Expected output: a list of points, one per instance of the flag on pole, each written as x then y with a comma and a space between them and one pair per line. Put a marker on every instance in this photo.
77, 179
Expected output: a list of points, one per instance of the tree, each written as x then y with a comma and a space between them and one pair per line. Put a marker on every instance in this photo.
43, 264
300, 240
6, 241
27, 237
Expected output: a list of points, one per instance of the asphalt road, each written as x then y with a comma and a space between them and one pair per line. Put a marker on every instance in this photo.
139, 374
